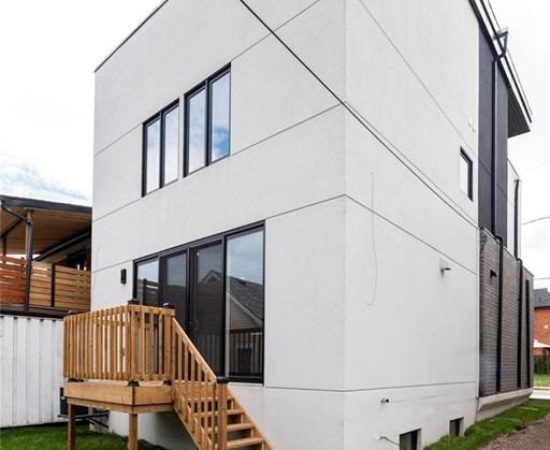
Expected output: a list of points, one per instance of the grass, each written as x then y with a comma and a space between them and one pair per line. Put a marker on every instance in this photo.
542, 379
516, 418
55, 438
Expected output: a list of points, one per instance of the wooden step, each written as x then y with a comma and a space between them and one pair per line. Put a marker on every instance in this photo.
246, 442
241, 426
230, 412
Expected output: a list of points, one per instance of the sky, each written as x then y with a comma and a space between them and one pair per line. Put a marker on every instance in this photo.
47, 59
528, 23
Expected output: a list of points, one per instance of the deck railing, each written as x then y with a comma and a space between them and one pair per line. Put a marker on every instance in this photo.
137, 343
130, 343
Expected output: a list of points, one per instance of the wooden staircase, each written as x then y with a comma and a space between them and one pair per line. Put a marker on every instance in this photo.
148, 349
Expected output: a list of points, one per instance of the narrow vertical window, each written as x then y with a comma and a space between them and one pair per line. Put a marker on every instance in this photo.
219, 129
245, 304
152, 156
207, 129
466, 175
170, 124
160, 149
196, 131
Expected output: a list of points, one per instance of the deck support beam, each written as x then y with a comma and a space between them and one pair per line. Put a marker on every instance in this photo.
71, 428
133, 431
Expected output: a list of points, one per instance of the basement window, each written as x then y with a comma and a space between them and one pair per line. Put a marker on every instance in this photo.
410, 440
466, 175
456, 427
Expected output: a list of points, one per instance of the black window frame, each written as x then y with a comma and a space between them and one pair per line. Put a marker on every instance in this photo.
188, 248
207, 86
135, 275
415, 436
160, 116
464, 156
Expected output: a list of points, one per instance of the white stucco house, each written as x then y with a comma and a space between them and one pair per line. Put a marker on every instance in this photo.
321, 188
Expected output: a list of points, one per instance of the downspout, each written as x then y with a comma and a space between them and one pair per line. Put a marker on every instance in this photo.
516, 219
520, 318
528, 331
500, 312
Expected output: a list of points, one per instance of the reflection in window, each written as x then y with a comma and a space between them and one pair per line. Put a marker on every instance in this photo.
207, 305
175, 284
196, 131
170, 124
147, 282
160, 152
219, 128
245, 299
152, 150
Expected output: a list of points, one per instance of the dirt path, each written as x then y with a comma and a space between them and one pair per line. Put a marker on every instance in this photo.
534, 437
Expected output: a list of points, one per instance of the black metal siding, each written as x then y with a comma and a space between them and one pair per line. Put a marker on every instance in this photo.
485, 199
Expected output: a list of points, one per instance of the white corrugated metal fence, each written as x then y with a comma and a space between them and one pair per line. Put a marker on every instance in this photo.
31, 357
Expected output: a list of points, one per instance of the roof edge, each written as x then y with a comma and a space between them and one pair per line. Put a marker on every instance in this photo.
134, 31
489, 24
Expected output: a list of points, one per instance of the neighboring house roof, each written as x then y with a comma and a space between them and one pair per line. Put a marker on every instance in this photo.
249, 296
541, 298
538, 344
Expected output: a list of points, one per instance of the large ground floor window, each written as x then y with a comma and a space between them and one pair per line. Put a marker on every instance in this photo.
217, 288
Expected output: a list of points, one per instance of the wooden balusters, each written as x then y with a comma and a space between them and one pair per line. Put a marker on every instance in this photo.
123, 343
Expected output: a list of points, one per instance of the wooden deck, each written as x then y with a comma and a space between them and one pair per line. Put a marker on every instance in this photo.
147, 397
137, 359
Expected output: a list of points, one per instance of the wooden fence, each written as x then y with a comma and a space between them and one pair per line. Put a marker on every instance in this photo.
51, 285
12, 280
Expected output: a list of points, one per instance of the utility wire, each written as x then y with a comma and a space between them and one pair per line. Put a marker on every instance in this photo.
357, 116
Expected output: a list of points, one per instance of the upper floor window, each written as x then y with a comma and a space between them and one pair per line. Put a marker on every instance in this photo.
466, 175
207, 124
160, 149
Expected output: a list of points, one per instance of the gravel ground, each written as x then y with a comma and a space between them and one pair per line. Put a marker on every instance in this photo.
534, 437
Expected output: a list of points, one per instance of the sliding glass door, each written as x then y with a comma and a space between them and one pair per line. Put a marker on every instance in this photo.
245, 300
217, 289
206, 306
174, 285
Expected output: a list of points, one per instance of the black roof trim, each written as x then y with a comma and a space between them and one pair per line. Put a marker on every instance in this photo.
520, 111
20, 202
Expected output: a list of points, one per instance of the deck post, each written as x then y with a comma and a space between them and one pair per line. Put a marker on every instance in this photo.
71, 427
133, 432
221, 386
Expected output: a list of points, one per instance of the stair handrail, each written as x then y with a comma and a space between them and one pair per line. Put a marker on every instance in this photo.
200, 397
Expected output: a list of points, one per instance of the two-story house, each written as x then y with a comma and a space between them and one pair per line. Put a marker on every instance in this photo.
321, 188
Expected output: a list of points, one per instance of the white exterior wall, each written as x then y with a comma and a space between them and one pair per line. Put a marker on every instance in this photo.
411, 332
286, 167
356, 307
31, 370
